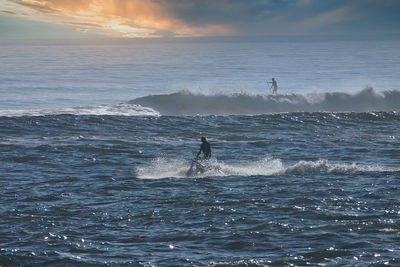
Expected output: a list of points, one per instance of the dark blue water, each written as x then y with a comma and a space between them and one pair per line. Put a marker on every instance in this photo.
302, 189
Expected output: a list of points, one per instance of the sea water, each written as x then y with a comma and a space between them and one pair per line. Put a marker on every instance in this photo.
74, 73
96, 139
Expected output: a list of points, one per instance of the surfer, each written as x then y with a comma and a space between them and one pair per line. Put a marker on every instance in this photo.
274, 86
205, 147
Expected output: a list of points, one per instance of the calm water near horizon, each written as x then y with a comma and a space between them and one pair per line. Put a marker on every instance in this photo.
41, 75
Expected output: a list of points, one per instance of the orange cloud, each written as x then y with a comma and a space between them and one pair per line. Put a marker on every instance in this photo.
133, 18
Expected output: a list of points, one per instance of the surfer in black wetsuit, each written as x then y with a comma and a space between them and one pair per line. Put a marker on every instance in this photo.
274, 86
206, 148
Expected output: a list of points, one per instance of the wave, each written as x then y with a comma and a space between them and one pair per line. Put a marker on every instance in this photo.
122, 109
188, 103
177, 168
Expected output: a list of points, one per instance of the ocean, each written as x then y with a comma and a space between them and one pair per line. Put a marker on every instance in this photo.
96, 140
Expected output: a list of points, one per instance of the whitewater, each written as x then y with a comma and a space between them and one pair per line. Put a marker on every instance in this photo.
96, 141
164, 168
185, 103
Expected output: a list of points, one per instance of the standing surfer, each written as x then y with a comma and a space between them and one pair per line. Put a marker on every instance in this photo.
205, 147
274, 86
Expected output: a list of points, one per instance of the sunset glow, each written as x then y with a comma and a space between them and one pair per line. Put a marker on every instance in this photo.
197, 18
124, 18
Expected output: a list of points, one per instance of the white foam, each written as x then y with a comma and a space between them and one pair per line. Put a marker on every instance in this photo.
324, 166
163, 168
122, 109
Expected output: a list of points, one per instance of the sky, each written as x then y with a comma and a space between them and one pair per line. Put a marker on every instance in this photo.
197, 18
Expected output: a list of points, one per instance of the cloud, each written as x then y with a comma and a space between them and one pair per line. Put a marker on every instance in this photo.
151, 18
81, 30
6, 12
128, 17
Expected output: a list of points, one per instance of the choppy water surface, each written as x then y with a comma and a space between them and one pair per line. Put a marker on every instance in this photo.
292, 188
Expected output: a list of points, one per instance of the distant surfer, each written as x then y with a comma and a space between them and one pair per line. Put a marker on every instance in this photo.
274, 86
205, 147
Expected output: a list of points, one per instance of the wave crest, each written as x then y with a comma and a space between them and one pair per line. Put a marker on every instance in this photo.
188, 103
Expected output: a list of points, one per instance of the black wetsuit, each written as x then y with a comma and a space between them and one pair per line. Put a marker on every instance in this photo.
206, 148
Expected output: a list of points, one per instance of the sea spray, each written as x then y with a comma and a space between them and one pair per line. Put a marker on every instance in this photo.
162, 167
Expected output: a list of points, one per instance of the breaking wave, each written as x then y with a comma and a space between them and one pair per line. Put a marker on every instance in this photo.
122, 109
177, 168
188, 103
